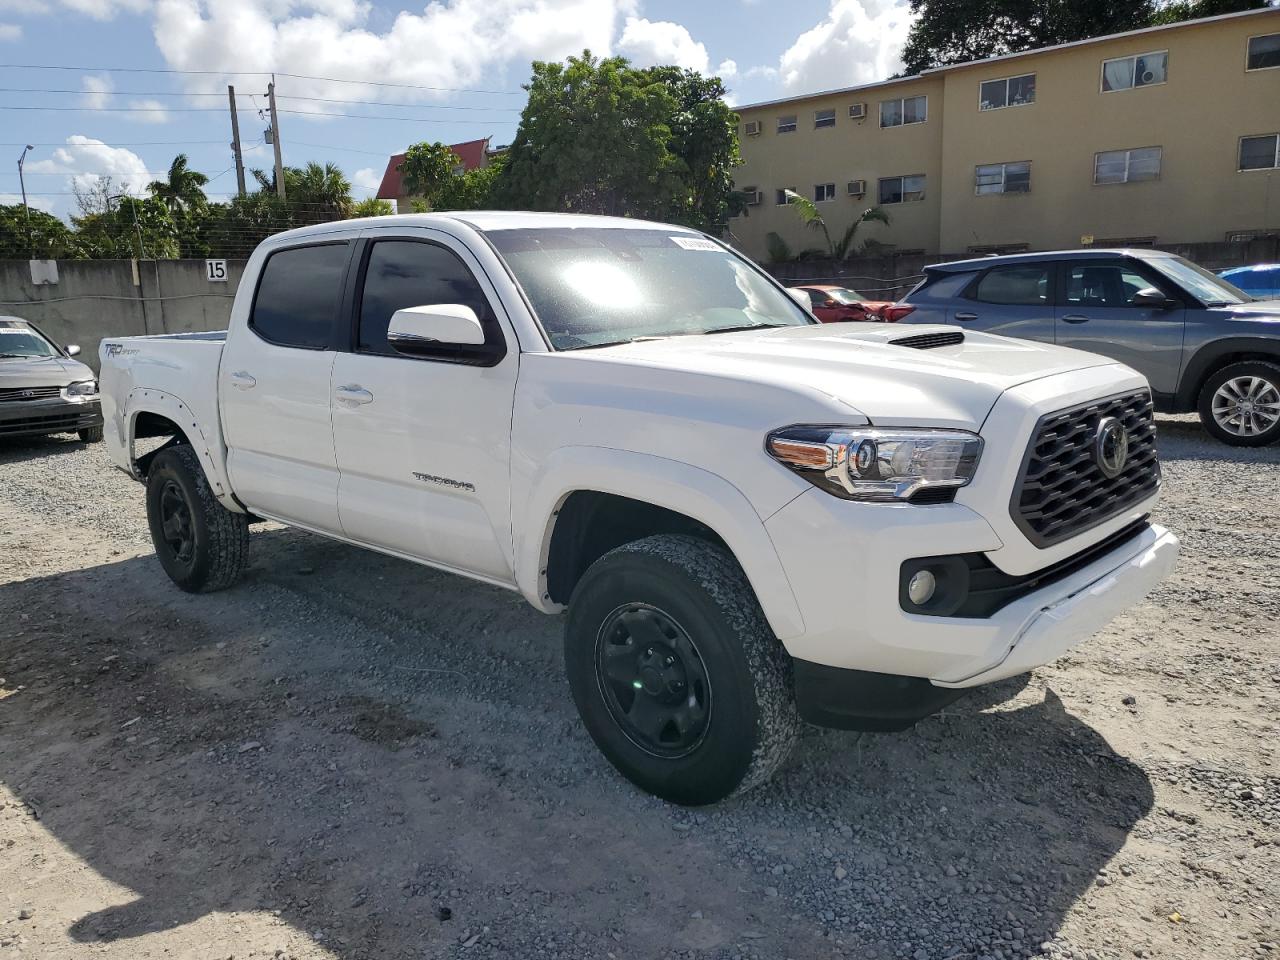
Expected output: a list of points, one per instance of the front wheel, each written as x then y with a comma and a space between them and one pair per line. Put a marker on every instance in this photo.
675, 672
201, 544
1240, 404
90, 434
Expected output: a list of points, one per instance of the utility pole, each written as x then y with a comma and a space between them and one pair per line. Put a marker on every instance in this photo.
275, 136
31, 250
235, 140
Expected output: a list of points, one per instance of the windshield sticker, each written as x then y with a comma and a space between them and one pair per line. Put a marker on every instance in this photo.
696, 243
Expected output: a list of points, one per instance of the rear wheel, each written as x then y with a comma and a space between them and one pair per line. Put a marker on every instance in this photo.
1240, 404
201, 544
676, 674
90, 434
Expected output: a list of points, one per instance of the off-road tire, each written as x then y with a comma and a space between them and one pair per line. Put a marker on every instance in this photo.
1246, 368
90, 434
751, 722
219, 539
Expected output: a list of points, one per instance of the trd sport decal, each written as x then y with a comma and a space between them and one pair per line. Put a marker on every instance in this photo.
446, 482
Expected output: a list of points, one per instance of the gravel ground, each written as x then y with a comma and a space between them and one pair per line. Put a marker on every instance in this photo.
349, 756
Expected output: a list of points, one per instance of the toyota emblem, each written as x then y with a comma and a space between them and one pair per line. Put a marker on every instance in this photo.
28, 393
1111, 447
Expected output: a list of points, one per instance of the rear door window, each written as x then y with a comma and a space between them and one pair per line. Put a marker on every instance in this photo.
298, 295
1021, 284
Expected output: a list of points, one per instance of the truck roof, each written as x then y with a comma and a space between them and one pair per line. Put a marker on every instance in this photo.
483, 220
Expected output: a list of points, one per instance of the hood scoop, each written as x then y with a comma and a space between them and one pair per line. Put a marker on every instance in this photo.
931, 341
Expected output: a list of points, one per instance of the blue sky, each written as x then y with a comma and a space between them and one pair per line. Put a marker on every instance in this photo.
453, 66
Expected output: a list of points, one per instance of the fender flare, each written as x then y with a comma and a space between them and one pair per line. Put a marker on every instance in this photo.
174, 408
1202, 363
704, 496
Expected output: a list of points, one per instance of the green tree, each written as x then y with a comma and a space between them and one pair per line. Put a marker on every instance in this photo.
427, 169
704, 139
811, 216
319, 193
953, 31
51, 239
182, 191
473, 190
372, 207
594, 137
130, 228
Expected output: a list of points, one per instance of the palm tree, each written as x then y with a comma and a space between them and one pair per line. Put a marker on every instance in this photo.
182, 190
322, 192
808, 211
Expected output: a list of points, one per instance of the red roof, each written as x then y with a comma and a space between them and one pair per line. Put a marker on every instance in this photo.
470, 153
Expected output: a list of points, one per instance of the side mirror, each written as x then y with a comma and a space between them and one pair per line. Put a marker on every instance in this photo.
72, 350
1151, 297
422, 330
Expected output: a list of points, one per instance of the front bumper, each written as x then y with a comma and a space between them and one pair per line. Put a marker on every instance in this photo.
22, 418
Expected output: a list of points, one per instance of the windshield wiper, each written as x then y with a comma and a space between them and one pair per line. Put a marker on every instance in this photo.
17, 356
745, 326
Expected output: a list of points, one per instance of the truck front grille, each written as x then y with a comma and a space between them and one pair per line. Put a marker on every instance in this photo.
1063, 490
8, 394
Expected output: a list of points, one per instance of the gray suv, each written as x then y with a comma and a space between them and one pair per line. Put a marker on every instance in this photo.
1204, 345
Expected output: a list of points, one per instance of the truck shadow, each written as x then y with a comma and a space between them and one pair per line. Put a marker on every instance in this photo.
388, 758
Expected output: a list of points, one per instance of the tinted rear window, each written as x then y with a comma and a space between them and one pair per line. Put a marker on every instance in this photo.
298, 295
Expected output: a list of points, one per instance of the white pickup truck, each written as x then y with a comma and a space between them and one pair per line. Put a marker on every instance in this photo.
752, 519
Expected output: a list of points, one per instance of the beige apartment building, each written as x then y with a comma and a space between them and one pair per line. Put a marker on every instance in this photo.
1164, 135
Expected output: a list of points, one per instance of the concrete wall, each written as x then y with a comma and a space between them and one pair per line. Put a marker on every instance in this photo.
1197, 117
94, 299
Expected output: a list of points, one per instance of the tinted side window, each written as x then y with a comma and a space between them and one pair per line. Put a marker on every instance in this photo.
1103, 284
1024, 284
408, 273
298, 296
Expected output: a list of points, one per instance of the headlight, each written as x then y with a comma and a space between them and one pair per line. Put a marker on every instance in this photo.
864, 463
85, 388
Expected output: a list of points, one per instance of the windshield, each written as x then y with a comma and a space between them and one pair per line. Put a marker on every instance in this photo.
24, 342
597, 286
1210, 290
845, 295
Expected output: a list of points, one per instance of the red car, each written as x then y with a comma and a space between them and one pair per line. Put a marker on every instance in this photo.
833, 304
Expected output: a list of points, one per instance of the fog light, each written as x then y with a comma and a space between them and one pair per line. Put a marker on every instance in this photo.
921, 587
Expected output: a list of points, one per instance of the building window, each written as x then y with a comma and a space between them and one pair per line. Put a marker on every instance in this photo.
895, 113
1003, 178
824, 118
902, 189
1144, 70
787, 124
1264, 52
781, 198
1260, 153
1009, 92
823, 192
1127, 166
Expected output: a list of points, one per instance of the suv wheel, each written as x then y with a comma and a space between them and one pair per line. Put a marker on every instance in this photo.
676, 674
1240, 404
90, 434
201, 544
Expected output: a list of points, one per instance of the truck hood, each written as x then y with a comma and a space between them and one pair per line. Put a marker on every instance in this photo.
859, 366
41, 372
1264, 310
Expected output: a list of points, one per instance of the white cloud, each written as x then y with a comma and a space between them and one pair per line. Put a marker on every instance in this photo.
84, 159
10, 31
148, 111
96, 9
454, 43
660, 43
366, 181
860, 41
727, 70
26, 8
95, 91
35, 203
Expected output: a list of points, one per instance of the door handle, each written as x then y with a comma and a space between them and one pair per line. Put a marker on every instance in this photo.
353, 395
966, 316
1074, 318
241, 380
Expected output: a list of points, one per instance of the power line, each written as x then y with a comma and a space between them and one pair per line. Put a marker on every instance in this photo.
378, 116
127, 143
254, 73
282, 96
